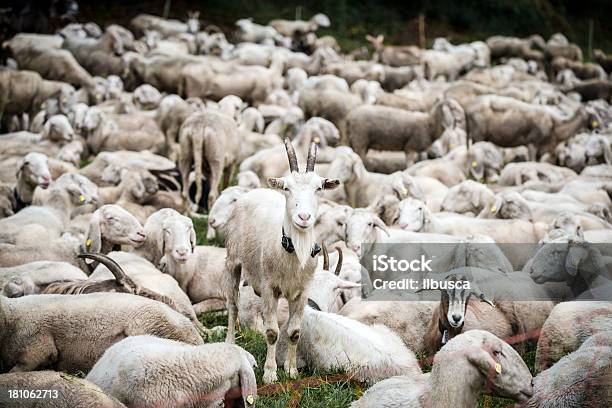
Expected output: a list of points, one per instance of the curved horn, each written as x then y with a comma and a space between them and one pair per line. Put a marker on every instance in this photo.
339, 264
325, 258
312, 156
293, 163
112, 266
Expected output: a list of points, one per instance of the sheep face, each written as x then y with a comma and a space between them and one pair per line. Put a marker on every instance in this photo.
464, 198
117, 226
173, 234
18, 286
412, 214
331, 222
35, 170
58, 128
142, 185
511, 205
325, 289
548, 264
222, 208
344, 165
361, 228
147, 97
93, 119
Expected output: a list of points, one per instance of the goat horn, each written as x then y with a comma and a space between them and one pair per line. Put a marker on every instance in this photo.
312, 156
293, 163
325, 257
113, 267
339, 264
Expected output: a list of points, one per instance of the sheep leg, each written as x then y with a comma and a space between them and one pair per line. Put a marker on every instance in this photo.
209, 305
216, 167
198, 161
270, 304
228, 173
184, 164
296, 311
232, 283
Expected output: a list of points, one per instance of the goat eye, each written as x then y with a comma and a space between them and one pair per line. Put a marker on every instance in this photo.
370, 224
340, 223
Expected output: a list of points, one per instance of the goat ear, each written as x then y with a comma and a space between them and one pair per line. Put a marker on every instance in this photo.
276, 183
482, 360
93, 242
575, 253
330, 184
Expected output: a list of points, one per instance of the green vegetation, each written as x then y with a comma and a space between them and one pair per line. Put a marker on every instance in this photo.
352, 19
332, 390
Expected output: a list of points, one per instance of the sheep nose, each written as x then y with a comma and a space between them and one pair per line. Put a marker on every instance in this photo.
181, 252
403, 225
456, 318
304, 216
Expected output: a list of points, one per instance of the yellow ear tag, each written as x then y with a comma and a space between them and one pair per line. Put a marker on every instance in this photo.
493, 209
474, 164
98, 96
317, 139
88, 242
404, 191
81, 198
594, 124
250, 399
498, 368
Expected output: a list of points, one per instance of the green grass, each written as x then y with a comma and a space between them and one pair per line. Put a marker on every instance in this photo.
328, 394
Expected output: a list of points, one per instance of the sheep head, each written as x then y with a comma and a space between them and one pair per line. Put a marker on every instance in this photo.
34, 170
361, 228
112, 225
170, 234
483, 355
414, 215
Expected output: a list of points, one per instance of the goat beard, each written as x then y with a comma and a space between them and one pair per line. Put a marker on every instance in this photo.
303, 241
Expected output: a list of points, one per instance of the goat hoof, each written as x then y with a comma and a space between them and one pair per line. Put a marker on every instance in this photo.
293, 373
269, 376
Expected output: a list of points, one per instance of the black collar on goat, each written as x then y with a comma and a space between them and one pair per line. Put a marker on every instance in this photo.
288, 245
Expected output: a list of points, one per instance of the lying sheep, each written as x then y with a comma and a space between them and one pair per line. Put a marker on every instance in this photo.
33, 277
49, 216
581, 378
66, 391
108, 226
136, 190
210, 141
576, 262
31, 173
515, 174
121, 132
416, 217
333, 341
60, 338
468, 197
478, 355
200, 375
567, 327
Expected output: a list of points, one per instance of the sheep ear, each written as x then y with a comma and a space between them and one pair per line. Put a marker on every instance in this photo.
330, 184
380, 224
345, 284
260, 124
482, 360
495, 207
575, 253
139, 189
93, 242
192, 239
276, 183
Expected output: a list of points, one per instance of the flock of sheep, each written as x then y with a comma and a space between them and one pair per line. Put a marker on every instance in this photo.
113, 138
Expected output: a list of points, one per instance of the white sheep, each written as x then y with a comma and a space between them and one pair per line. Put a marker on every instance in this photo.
60, 326
459, 373
147, 371
278, 259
